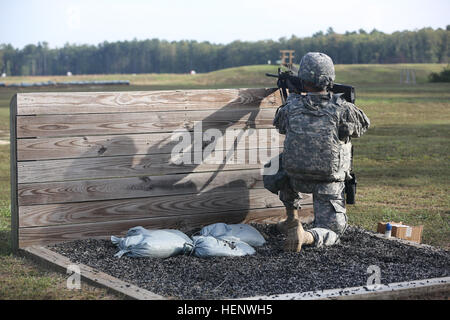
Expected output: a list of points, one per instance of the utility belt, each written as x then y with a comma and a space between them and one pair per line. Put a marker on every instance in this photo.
275, 182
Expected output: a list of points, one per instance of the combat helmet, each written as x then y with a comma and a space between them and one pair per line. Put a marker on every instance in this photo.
317, 68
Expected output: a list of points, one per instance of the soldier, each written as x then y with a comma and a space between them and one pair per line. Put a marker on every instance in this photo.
318, 126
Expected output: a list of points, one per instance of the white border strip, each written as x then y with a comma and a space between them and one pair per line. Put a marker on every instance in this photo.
364, 292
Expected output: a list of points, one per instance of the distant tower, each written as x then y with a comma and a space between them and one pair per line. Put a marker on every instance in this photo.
287, 54
407, 76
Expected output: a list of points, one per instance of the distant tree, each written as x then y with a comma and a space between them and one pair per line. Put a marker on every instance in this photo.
318, 34
330, 31
2, 61
161, 56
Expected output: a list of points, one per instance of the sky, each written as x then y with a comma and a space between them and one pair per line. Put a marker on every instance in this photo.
58, 22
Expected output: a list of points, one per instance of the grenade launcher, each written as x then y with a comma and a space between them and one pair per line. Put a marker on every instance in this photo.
288, 80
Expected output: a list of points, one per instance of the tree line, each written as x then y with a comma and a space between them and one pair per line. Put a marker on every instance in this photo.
426, 45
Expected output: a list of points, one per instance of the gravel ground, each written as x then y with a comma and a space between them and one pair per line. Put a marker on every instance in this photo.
270, 271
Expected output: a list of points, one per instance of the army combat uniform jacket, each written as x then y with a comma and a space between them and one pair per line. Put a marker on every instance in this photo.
317, 156
318, 129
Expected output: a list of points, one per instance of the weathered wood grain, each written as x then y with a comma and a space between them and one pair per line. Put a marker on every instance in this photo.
164, 206
306, 215
131, 166
137, 187
13, 175
95, 164
117, 145
56, 234
142, 122
137, 101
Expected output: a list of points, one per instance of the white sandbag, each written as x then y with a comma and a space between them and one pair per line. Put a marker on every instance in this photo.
238, 232
153, 243
141, 230
137, 230
208, 246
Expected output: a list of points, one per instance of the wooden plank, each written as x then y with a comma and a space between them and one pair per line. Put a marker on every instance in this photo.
138, 101
137, 187
126, 209
93, 146
61, 233
117, 145
13, 175
112, 210
142, 122
59, 263
128, 166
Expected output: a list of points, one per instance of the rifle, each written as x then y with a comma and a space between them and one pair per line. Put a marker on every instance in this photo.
288, 80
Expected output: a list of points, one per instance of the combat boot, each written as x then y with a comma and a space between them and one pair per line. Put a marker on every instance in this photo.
292, 215
297, 237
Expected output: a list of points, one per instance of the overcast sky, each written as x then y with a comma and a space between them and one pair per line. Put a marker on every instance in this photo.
218, 21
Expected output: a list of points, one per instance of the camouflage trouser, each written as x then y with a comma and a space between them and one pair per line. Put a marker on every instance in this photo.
330, 219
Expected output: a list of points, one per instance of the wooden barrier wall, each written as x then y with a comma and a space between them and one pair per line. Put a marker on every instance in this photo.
95, 164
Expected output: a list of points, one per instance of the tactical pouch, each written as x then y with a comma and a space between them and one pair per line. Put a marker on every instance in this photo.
350, 189
275, 182
312, 150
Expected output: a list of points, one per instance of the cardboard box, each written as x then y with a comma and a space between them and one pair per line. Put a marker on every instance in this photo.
402, 231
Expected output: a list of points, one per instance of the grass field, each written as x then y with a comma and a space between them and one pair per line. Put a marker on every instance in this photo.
402, 162
249, 76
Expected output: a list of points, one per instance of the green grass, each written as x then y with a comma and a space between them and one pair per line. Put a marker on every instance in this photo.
401, 162
363, 74
250, 76
23, 280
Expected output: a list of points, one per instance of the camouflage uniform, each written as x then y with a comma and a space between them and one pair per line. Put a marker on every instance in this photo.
319, 172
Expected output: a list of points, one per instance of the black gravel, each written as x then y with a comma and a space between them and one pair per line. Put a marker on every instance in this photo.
270, 271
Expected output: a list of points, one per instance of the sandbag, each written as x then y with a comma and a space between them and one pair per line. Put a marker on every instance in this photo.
141, 230
208, 246
152, 243
234, 232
